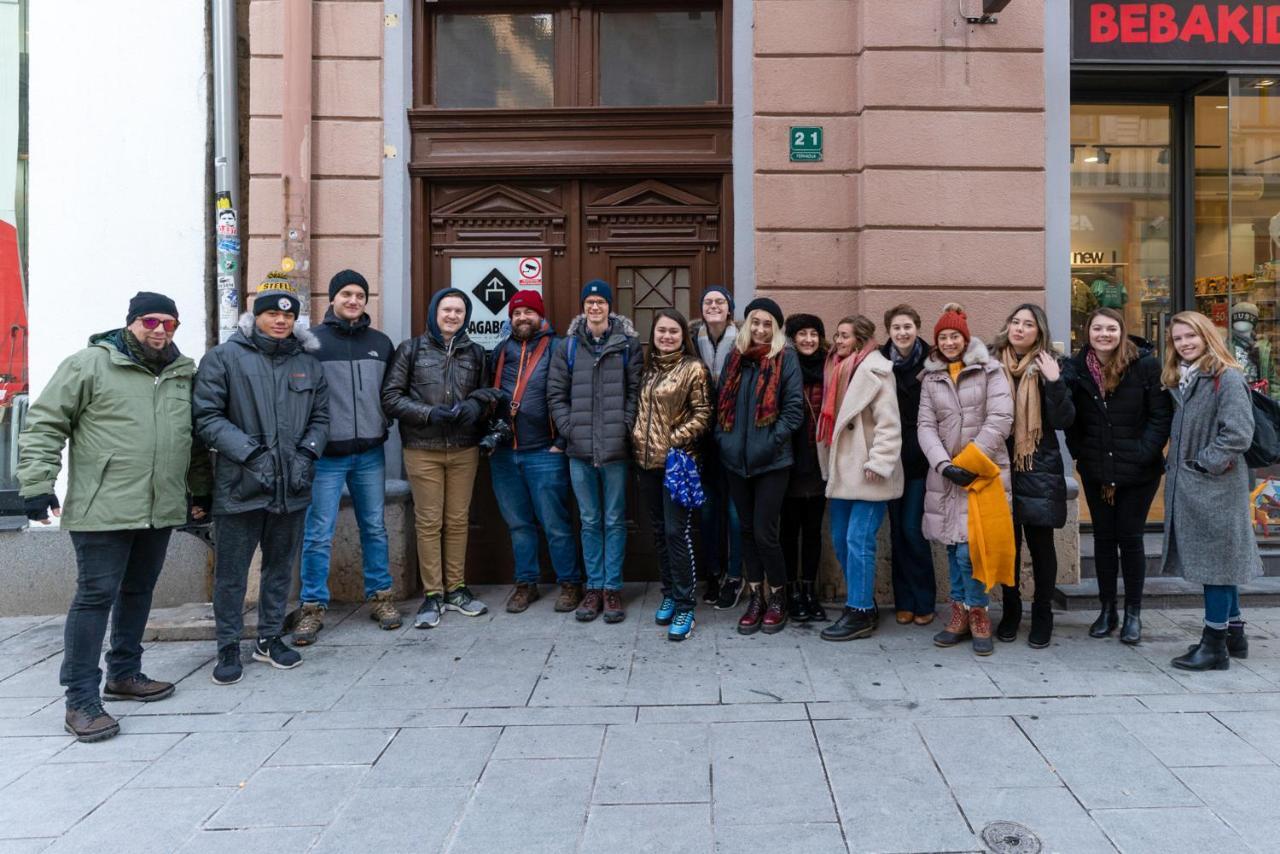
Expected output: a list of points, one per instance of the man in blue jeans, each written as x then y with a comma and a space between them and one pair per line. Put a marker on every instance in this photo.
354, 356
592, 388
530, 470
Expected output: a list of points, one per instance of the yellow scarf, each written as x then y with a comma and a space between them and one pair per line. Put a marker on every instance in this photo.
990, 520
1027, 424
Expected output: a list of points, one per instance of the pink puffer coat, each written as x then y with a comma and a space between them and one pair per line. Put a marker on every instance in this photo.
977, 408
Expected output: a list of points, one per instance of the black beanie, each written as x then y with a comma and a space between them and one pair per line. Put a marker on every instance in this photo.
347, 277
796, 322
764, 304
146, 302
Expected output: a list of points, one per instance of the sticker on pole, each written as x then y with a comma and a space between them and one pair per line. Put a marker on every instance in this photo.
489, 284
530, 272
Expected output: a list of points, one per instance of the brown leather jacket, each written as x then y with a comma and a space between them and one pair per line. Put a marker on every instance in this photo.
674, 409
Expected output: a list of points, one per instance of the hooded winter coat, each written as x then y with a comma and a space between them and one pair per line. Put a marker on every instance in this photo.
355, 358
593, 402
906, 375
1208, 532
867, 435
748, 450
425, 373
674, 409
1119, 440
977, 408
263, 406
1040, 492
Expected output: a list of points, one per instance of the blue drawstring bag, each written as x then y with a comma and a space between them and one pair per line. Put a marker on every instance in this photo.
682, 479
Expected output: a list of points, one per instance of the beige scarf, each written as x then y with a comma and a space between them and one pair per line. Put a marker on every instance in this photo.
1027, 424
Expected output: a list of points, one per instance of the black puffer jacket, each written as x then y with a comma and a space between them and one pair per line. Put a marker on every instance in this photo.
425, 373
263, 406
1040, 493
1120, 439
594, 402
906, 375
748, 450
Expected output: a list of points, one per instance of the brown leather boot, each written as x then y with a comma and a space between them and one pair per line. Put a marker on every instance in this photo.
91, 723
980, 628
522, 597
957, 629
138, 687
590, 607
570, 596
613, 610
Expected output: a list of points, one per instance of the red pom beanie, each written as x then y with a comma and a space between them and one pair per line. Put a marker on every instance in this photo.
953, 317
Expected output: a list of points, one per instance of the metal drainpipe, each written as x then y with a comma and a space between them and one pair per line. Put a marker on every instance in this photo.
295, 154
226, 166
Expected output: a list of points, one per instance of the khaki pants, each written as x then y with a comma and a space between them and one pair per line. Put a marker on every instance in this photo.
441, 482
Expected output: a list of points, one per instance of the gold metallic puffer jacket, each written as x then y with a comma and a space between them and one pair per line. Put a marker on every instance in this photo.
674, 409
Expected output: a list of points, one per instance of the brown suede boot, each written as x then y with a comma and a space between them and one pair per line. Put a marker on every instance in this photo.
980, 628
570, 596
522, 597
957, 629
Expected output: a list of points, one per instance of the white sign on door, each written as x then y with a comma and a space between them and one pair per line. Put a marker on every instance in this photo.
490, 283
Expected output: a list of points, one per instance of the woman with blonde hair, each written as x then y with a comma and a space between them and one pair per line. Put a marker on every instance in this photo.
1208, 532
761, 404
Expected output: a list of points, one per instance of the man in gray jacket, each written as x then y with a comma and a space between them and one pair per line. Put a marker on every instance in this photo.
262, 404
592, 391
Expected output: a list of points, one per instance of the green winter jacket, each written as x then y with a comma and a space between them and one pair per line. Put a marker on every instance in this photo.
131, 461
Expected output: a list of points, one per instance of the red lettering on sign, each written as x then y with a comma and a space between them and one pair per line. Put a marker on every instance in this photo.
1259, 25
1273, 25
1102, 24
1198, 25
1164, 23
1231, 24
1133, 22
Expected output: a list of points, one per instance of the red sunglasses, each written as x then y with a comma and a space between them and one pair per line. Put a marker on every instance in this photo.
153, 322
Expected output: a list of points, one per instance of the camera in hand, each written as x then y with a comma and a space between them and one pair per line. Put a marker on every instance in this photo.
498, 434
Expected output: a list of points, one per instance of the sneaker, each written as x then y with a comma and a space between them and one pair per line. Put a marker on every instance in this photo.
665, 611
711, 593
590, 607
91, 722
309, 624
138, 687
682, 624
613, 609
569, 598
228, 670
276, 652
384, 611
730, 593
522, 597
464, 603
428, 613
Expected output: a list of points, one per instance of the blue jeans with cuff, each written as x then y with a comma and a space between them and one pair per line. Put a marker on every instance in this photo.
365, 477
532, 488
1221, 605
854, 525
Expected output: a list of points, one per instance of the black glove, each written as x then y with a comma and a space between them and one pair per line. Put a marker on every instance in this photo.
489, 396
38, 506
200, 502
958, 476
470, 411
439, 416
301, 472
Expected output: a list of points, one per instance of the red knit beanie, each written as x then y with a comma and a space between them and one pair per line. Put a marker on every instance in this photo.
527, 299
953, 317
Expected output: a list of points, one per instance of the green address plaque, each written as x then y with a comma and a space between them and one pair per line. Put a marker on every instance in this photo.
806, 144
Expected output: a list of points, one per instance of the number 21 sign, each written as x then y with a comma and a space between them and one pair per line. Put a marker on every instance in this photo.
806, 144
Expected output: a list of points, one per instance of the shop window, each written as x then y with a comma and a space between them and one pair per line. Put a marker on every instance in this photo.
495, 61
657, 59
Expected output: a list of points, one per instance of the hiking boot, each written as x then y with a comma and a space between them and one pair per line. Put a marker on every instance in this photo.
464, 603
1210, 654
980, 629
775, 616
428, 612
1041, 632
309, 624
613, 610
138, 687
666, 611
1107, 621
749, 622
1131, 631
957, 629
570, 596
228, 670
730, 593
276, 652
853, 623
681, 626
384, 611
1010, 616
590, 606
91, 722
522, 597
711, 592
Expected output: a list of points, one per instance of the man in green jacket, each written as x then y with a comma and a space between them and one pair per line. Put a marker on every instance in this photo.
124, 402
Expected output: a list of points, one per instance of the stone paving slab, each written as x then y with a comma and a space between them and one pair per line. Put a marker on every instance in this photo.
535, 733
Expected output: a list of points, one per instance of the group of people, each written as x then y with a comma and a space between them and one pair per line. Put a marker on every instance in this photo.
748, 433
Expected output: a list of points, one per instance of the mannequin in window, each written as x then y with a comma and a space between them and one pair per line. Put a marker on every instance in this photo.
1253, 353
1109, 292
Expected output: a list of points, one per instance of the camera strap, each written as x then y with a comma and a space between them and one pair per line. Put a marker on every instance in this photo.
523, 372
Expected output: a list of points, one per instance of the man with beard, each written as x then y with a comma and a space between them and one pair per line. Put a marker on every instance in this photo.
531, 473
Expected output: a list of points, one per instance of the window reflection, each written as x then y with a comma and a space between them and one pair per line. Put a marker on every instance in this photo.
502, 61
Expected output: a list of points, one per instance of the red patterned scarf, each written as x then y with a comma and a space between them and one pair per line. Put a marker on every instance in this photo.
768, 380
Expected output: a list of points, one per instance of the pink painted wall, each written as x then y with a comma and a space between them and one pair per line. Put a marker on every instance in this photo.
932, 183
346, 147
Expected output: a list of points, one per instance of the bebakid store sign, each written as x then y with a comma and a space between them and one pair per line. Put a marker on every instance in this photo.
1176, 31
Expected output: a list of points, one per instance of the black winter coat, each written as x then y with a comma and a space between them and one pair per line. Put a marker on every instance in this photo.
906, 375
594, 404
441, 375
355, 358
748, 450
263, 407
1120, 439
1040, 493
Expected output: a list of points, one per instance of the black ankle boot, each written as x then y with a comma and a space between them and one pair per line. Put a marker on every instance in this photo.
800, 609
1209, 654
817, 614
1131, 631
1011, 616
1237, 643
853, 624
1107, 620
1041, 632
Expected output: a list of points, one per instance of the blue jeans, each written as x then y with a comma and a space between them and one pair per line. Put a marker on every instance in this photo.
532, 488
914, 589
602, 507
964, 587
854, 525
717, 516
1221, 605
365, 477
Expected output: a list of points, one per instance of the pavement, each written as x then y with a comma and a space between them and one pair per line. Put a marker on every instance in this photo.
533, 733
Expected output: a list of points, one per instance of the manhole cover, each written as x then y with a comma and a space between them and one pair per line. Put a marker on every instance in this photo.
1007, 837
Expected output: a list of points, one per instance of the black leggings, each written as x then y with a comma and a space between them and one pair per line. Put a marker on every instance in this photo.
759, 501
1118, 528
1044, 561
672, 526
802, 536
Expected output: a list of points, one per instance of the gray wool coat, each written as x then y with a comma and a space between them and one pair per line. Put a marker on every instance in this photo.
1208, 529
977, 408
